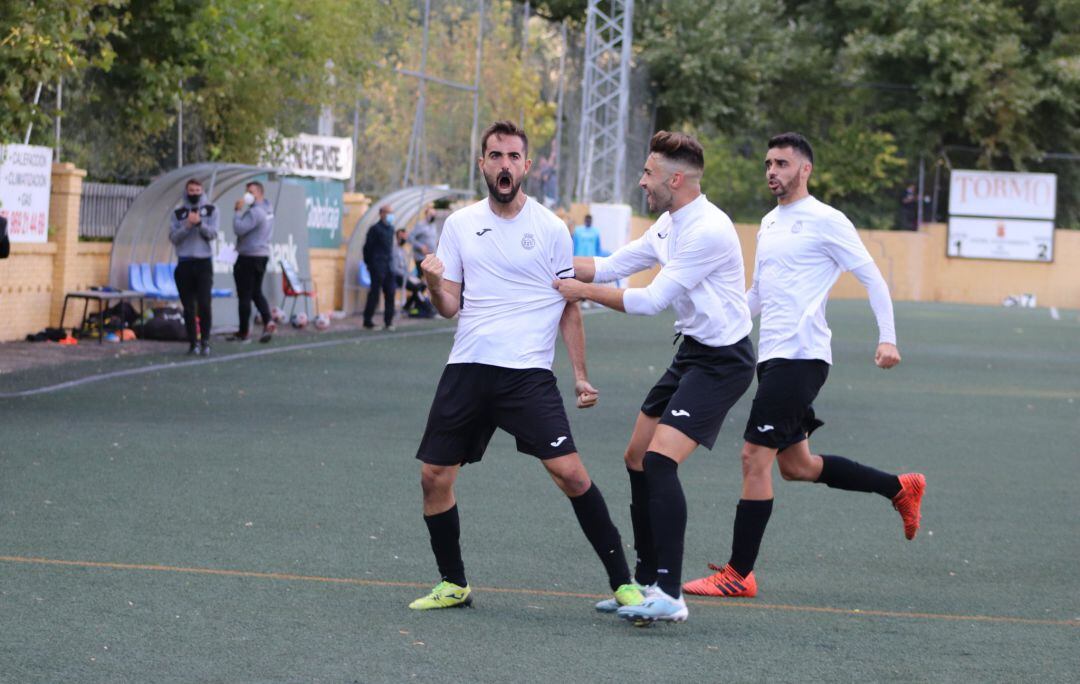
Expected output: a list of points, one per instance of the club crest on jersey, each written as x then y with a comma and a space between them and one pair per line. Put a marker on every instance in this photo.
528, 241
797, 228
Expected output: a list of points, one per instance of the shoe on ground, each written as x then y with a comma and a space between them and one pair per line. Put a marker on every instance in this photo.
626, 595
268, 332
389, 327
194, 350
909, 502
204, 349
657, 607
242, 339
369, 326
444, 595
724, 582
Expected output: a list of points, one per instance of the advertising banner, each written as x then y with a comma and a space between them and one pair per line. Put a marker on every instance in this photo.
25, 181
324, 205
1003, 194
315, 156
1001, 215
1001, 238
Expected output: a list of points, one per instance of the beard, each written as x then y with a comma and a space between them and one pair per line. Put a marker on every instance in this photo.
783, 189
659, 200
498, 195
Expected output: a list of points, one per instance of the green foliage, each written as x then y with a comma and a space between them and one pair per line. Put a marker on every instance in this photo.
557, 10
508, 90
734, 177
875, 85
240, 68
710, 61
42, 41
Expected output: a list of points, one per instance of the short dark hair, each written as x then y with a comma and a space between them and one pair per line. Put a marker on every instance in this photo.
678, 147
193, 181
256, 184
503, 128
795, 141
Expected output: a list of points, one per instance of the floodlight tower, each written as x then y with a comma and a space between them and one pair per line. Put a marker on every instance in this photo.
605, 101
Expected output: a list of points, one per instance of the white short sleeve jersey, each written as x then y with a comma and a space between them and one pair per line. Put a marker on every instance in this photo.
698, 248
510, 315
802, 248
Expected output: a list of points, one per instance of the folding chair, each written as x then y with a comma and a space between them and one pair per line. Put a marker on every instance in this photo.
295, 287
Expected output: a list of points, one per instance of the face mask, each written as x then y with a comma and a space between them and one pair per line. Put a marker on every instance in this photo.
249, 199
389, 220
402, 241
194, 199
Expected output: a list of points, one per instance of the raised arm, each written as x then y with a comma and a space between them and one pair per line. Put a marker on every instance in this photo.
445, 294
625, 262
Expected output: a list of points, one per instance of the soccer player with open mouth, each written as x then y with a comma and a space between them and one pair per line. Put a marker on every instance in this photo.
493, 268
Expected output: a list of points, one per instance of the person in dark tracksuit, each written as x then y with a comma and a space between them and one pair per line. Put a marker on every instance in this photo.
378, 257
193, 229
253, 224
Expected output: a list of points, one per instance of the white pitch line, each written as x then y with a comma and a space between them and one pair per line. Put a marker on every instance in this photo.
367, 337
224, 359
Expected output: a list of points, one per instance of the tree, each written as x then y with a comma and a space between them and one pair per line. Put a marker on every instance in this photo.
508, 90
240, 69
42, 41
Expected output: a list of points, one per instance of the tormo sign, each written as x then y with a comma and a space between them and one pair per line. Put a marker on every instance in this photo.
1001, 194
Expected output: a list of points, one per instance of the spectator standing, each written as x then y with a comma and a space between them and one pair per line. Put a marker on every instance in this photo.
587, 240
378, 257
193, 227
424, 237
909, 209
5, 241
253, 224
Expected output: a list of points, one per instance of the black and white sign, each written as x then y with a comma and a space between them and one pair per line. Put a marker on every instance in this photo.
315, 156
1002, 215
1001, 238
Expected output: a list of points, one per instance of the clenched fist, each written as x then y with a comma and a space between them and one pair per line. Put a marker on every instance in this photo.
432, 268
887, 355
587, 395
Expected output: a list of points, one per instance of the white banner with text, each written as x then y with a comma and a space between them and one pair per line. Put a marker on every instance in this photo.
25, 181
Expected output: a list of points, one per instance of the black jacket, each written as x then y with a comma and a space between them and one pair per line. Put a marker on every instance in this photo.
379, 244
5, 242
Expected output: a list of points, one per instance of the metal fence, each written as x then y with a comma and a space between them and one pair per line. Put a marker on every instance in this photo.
103, 205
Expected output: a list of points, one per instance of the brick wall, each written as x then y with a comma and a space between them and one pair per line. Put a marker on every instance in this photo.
26, 284
35, 278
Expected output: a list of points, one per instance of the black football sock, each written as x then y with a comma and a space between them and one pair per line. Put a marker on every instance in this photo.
445, 531
592, 515
667, 514
645, 571
751, 517
843, 473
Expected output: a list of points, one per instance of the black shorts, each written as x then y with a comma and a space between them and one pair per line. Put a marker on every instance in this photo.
782, 413
474, 398
702, 384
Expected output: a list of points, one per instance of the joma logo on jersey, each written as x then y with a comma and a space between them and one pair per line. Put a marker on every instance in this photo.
528, 241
